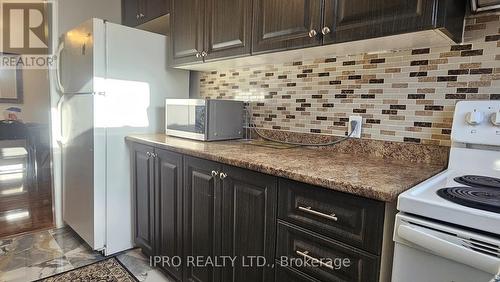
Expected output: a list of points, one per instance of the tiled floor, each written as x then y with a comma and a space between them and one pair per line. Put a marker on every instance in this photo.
45, 253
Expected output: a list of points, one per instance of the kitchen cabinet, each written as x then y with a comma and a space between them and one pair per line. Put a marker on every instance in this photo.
351, 20
137, 12
202, 215
211, 30
187, 206
143, 195
186, 29
204, 30
248, 222
228, 31
285, 24
168, 212
157, 203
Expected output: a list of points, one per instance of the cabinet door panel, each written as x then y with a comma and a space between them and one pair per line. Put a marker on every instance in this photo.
155, 8
201, 217
248, 222
130, 12
187, 24
228, 29
285, 24
169, 207
143, 197
359, 19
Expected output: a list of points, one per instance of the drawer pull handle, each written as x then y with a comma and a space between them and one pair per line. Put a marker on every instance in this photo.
317, 213
214, 173
305, 254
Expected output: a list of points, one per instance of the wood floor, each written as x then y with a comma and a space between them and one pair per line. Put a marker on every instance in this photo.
25, 205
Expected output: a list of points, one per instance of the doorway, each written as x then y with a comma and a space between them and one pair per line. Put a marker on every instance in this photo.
26, 203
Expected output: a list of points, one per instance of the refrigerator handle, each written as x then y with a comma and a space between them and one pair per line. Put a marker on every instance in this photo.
59, 132
58, 68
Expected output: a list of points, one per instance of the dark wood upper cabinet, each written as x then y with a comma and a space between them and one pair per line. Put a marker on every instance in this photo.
228, 29
155, 8
143, 197
136, 12
131, 12
187, 23
168, 197
248, 223
286, 24
202, 211
360, 19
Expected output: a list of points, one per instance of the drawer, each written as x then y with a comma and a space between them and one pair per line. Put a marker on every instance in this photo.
327, 260
286, 274
354, 220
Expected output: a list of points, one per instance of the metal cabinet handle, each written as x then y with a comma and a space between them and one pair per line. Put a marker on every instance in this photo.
142, 15
305, 254
222, 175
313, 33
198, 55
137, 16
317, 213
215, 173
154, 155
325, 30
148, 154
204, 54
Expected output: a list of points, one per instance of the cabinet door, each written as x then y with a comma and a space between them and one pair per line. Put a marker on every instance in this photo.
168, 195
201, 217
359, 19
130, 12
143, 188
228, 30
285, 24
248, 223
155, 8
187, 24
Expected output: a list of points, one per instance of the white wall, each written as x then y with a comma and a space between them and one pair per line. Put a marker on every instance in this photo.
36, 104
71, 13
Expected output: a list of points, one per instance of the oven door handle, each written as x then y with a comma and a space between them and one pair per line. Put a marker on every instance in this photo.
448, 250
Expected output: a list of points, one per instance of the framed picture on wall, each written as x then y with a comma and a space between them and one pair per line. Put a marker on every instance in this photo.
11, 83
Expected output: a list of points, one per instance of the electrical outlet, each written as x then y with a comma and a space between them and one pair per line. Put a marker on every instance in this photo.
357, 130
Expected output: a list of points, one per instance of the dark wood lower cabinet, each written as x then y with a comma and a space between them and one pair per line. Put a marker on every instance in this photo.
168, 201
143, 189
202, 213
248, 224
205, 213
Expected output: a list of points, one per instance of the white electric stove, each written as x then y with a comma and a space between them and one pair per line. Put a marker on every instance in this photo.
448, 228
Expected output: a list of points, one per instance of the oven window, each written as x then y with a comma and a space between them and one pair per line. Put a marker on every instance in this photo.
187, 118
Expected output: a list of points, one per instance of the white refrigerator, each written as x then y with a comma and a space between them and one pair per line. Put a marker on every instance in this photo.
113, 82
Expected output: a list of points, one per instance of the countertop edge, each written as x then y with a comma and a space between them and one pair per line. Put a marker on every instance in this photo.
361, 191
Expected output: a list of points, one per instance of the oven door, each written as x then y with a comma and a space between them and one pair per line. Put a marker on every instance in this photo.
431, 251
186, 118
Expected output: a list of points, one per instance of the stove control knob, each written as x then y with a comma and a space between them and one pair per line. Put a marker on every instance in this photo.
495, 118
474, 118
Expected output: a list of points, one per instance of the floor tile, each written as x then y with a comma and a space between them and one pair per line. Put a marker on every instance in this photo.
139, 265
37, 271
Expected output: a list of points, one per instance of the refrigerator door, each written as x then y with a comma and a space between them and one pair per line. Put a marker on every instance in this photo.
83, 173
82, 58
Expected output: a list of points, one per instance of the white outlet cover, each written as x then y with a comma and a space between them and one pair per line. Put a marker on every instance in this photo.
357, 132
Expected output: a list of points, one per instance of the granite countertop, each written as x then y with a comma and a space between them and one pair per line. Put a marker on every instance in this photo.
374, 178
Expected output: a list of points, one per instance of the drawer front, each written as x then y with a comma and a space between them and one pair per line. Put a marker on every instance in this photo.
351, 219
285, 274
322, 258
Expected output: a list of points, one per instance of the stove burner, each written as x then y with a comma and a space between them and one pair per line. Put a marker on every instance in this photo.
478, 181
482, 198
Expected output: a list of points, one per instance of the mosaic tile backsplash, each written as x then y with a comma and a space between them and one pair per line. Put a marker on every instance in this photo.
405, 95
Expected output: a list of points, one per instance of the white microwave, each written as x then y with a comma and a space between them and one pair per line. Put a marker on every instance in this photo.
204, 119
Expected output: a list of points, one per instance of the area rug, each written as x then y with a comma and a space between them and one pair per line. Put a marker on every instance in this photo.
109, 270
